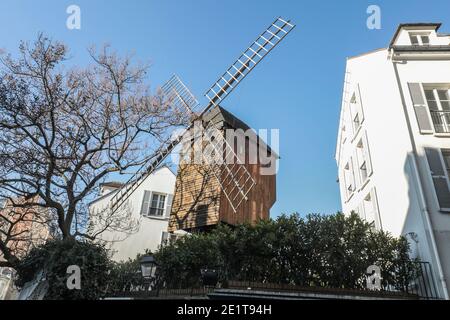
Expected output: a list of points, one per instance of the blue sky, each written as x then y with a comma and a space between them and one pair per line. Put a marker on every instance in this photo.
297, 89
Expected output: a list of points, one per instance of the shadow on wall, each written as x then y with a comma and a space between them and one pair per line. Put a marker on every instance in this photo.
415, 227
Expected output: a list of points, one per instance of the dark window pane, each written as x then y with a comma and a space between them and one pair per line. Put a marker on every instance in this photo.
432, 105
443, 94
446, 156
414, 40
425, 40
445, 105
429, 94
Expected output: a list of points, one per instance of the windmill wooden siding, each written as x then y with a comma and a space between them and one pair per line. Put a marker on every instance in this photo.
199, 202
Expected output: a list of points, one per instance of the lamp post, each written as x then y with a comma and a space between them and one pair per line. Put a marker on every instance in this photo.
148, 269
148, 266
209, 277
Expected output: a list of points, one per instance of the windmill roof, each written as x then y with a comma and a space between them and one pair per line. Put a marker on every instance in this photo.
220, 116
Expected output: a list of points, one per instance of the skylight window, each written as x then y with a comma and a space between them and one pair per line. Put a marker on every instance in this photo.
419, 39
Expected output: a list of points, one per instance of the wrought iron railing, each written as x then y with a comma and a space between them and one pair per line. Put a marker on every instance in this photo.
441, 121
422, 285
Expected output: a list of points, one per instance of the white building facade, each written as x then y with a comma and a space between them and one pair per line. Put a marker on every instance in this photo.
148, 208
393, 146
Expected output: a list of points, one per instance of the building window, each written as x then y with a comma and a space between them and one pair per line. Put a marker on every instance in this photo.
363, 171
357, 116
344, 134
363, 157
446, 156
370, 208
438, 101
157, 204
349, 179
168, 238
356, 122
419, 39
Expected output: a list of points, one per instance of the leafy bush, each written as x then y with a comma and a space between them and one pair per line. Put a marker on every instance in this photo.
125, 276
55, 256
330, 251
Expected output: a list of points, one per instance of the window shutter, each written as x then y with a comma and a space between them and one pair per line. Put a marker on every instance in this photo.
420, 108
355, 171
169, 199
361, 212
164, 238
145, 203
367, 155
359, 100
439, 178
374, 199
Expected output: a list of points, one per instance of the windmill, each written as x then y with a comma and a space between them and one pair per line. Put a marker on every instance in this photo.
235, 181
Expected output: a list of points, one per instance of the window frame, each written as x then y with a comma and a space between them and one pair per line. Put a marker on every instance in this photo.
349, 170
150, 205
356, 111
434, 88
418, 36
447, 176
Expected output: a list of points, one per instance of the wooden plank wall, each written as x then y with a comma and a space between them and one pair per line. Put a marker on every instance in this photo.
196, 188
260, 199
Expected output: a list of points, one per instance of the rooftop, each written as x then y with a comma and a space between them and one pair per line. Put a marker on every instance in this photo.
417, 25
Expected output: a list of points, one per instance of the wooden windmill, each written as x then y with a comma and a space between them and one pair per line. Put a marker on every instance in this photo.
213, 192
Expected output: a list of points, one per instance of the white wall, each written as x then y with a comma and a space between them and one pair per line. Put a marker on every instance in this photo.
391, 147
148, 235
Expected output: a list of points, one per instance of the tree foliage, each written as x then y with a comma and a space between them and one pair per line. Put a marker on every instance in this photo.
318, 250
64, 129
54, 257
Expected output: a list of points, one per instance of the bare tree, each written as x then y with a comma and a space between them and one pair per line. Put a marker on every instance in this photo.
21, 228
63, 131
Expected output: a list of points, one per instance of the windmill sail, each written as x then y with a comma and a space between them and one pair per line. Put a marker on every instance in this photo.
183, 102
234, 179
248, 60
237, 181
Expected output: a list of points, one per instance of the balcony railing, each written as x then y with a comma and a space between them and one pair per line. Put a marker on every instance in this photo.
441, 121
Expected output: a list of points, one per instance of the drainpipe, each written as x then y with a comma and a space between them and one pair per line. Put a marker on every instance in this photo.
423, 202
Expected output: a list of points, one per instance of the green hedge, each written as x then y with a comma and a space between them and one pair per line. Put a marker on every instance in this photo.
56, 256
318, 250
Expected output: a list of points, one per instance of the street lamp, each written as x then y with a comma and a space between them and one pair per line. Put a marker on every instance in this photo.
148, 266
209, 277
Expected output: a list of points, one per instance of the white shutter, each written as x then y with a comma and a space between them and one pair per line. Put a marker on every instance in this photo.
367, 155
359, 102
361, 212
355, 172
164, 238
146, 203
439, 178
420, 108
168, 209
373, 197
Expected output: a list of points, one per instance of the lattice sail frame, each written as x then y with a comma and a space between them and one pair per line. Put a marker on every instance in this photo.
180, 95
216, 94
248, 60
184, 102
234, 178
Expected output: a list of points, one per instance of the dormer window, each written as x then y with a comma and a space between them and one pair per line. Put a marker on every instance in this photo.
419, 39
